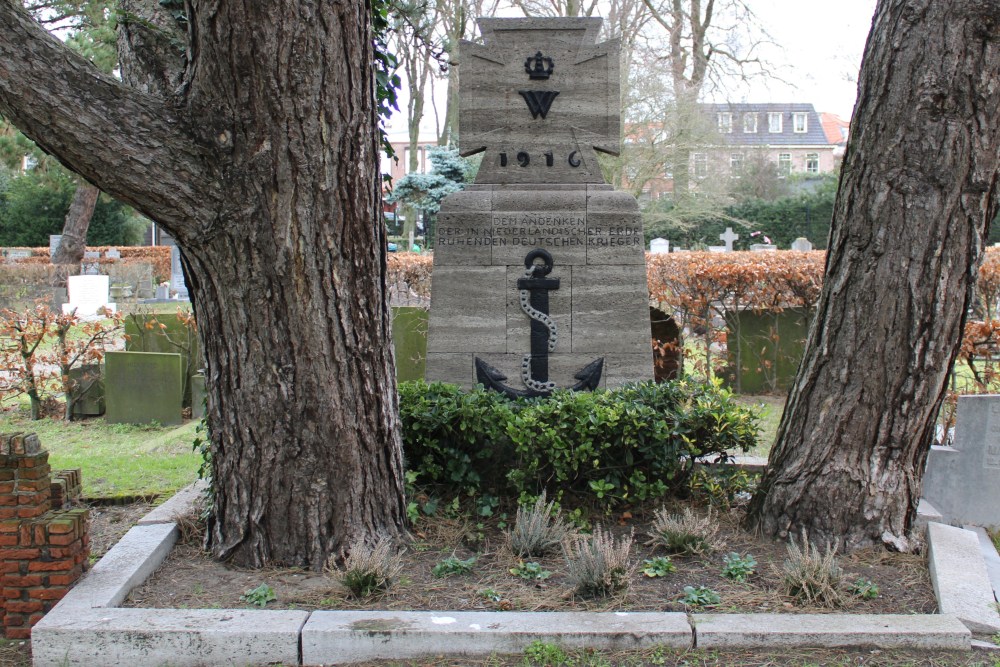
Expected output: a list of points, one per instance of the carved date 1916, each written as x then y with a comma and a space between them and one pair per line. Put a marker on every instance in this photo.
524, 159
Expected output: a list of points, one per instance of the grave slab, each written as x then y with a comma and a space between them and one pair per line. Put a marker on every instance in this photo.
958, 573
88, 294
142, 387
963, 481
355, 636
990, 557
179, 504
885, 631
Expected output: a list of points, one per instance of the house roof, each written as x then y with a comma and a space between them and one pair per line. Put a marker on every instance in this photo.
835, 127
813, 136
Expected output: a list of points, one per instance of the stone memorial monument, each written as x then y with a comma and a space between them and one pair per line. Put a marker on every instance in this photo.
87, 295
728, 237
539, 275
963, 482
177, 283
802, 244
659, 246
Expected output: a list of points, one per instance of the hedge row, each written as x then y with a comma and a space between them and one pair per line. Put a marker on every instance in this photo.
634, 442
157, 256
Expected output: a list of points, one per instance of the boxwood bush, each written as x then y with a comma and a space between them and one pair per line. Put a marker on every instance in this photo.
634, 442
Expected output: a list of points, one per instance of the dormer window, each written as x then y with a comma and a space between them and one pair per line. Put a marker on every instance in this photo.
800, 123
749, 123
725, 123
774, 122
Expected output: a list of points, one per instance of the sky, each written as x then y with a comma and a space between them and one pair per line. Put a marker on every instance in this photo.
816, 54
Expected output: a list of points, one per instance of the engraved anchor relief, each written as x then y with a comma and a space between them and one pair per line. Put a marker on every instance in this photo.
533, 292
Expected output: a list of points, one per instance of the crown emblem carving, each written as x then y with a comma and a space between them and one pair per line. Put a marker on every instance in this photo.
538, 66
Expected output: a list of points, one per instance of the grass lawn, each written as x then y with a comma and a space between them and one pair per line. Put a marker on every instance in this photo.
770, 407
116, 459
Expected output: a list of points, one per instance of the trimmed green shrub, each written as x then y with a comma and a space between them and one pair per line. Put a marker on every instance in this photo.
634, 442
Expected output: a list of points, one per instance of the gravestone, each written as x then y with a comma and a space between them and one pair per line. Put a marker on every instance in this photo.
717, 248
539, 274
177, 273
659, 246
763, 247
18, 253
962, 482
113, 253
802, 244
143, 387
91, 267
728, 237
54, 241
87, 294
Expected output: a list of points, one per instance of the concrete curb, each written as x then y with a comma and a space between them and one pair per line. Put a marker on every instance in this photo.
958, 573
179, 504
86, 629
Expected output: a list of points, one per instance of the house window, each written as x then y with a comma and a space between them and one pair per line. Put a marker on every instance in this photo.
784, 164
812, 163
800, 123
386, 164
700, 161
725, 123
735, 164
750, 123
774, 122
406, 161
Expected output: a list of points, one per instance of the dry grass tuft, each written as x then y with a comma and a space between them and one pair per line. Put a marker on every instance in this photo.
369, 569
537, 530
685, 533
811, 575
597, 565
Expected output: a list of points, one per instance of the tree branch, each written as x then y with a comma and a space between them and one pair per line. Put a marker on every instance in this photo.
125, 142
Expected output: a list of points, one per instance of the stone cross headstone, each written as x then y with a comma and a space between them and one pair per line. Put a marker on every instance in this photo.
659, 246
728, 237
54, 241
539, 275
962, 482
87, 294
802, 244
177, 283
113, 253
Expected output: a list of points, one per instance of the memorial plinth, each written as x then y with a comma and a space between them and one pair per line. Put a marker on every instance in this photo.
539, 268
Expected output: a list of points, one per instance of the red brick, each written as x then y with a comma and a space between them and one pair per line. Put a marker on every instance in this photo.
56, 593
6, 567
29, 512
18, 633
18, 606
6, 472
12, 593
7, 487
62, 565
65, 552
7, 499
24, 581
8, 540
41, 536
62, 525
11, 618
62, 540
19, 554
9, 526
65, 579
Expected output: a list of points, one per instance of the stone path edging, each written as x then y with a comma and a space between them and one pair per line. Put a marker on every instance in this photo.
86, 627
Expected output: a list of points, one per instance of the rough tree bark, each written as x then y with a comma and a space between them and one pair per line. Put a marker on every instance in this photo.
74, 233
263, 164
917, 193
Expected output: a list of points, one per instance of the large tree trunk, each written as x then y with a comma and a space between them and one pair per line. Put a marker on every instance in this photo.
265, 170
916, 196
74, 234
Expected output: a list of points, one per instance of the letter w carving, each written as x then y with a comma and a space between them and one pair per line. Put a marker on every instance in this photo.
539, 101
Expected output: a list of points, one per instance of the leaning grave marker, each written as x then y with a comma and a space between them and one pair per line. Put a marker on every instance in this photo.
539, 275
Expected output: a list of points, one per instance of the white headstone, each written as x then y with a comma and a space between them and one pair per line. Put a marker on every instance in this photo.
87, 294
728, 237
802, 244
659, 246
719, 248
177, 274
763, 247
113, 253
18, 254
54, 240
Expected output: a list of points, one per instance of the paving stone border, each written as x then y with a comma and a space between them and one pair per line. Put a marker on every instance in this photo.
87, 627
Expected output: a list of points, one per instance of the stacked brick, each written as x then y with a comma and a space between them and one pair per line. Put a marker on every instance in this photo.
44, 547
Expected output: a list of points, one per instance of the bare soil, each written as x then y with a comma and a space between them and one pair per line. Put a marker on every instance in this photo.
189, 578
